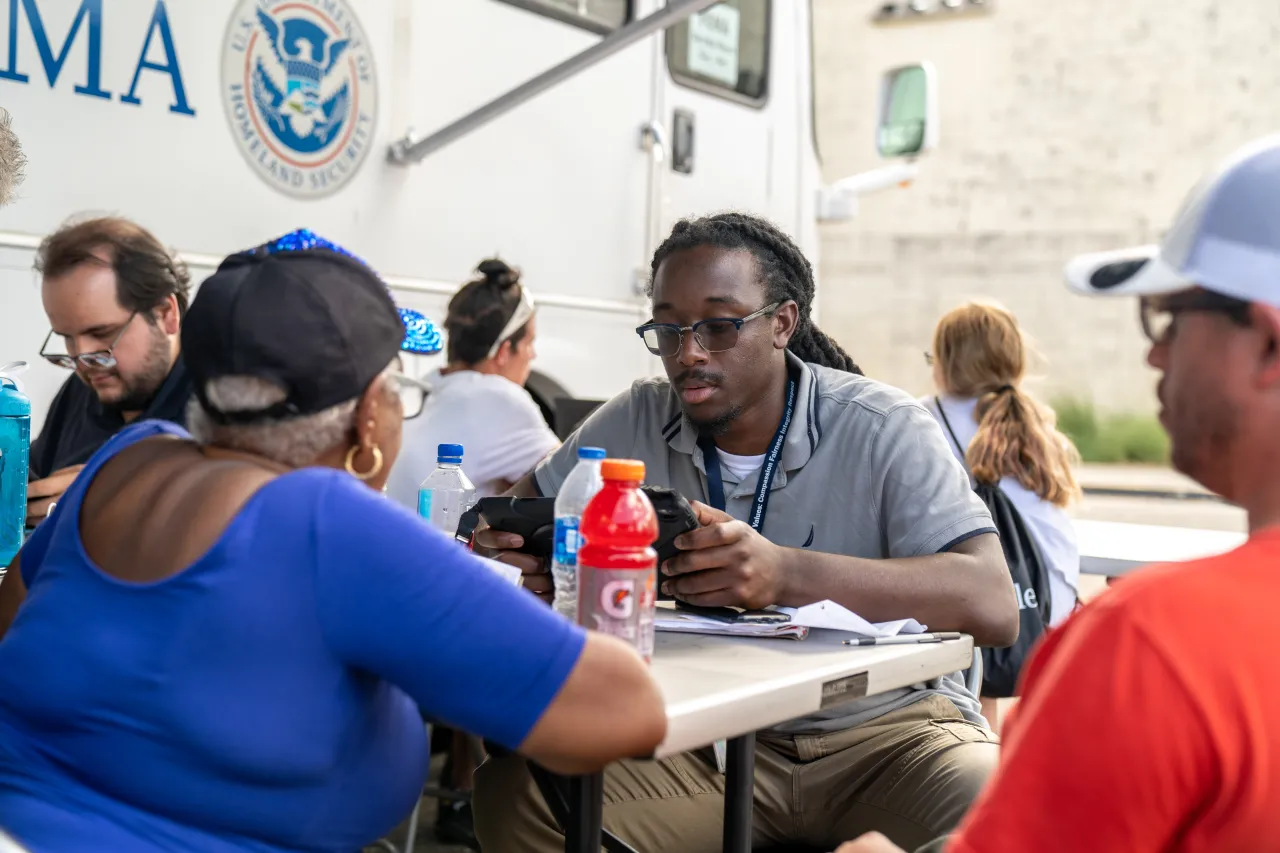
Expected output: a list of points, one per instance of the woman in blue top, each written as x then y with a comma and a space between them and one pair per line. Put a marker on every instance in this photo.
225, 642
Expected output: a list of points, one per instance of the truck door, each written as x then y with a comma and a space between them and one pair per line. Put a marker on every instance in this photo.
728, 100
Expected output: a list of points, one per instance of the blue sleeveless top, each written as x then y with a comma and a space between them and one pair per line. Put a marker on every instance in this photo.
265, 698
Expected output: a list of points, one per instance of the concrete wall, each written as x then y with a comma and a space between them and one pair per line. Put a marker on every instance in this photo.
1067, 126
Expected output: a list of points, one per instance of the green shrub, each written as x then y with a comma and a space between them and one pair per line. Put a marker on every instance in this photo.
1112, 438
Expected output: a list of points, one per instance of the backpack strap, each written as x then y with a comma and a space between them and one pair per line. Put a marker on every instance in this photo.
937, 401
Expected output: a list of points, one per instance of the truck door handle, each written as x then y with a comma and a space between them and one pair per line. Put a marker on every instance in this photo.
683, 125
653, 138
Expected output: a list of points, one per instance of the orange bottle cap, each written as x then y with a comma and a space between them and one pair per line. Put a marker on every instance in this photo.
627, 470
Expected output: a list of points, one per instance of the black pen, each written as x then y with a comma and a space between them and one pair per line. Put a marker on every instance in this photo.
904, 639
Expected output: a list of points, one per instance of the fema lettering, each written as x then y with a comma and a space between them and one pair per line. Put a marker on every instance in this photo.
300, 92
158, 33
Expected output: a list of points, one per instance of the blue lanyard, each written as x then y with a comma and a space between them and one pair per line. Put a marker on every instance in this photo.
715, 482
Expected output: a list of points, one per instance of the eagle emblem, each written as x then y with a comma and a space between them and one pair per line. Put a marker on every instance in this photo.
304, 103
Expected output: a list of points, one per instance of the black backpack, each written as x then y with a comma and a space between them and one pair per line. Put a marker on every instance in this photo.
1000, 667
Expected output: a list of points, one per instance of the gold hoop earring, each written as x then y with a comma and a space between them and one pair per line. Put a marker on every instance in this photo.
350, 463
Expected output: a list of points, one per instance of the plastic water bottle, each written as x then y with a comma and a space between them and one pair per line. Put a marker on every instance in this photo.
15, 455
446, 493
579, 488
617, 566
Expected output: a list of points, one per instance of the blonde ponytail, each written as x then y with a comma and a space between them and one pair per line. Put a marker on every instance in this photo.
981, 354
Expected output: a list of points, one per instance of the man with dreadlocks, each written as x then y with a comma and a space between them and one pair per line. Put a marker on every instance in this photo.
867, 507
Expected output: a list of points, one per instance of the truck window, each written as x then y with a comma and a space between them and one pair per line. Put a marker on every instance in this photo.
724, 50
600, 16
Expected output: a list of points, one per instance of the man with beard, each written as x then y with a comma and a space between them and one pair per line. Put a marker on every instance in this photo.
115, 298
1151, 720
866, 506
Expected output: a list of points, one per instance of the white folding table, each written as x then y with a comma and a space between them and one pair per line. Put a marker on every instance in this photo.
719, 688
1113, 548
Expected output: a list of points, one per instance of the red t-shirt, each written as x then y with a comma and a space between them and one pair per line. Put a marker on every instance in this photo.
1150, 721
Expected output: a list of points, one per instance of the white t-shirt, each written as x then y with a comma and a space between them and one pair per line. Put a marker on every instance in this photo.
740, 467
1049, 525
499, 426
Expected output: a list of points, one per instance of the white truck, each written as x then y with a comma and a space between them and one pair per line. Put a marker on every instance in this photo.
565, 136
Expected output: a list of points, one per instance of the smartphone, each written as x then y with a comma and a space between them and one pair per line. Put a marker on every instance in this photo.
533, 519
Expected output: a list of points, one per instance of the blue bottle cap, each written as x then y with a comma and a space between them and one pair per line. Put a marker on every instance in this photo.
451, 453
13, 403
594, 453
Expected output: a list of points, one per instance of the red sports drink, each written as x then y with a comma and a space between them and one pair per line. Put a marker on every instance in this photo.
617, 566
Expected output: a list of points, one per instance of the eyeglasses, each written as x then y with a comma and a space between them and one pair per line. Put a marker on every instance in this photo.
716, 334
413, 394
1159, 314
928, 358
104, 359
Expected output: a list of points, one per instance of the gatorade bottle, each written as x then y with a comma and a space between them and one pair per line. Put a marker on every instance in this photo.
15, 453
617, 566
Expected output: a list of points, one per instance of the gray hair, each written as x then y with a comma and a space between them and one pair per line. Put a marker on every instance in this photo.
296, 442
12, 161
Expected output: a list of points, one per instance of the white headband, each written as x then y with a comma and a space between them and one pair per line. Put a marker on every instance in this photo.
524, 310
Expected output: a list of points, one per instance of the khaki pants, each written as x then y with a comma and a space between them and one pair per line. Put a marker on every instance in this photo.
910, 774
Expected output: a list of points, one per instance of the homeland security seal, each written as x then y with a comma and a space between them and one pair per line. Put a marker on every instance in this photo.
300, 91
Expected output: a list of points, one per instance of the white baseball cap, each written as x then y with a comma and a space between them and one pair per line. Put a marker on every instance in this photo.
1226, 239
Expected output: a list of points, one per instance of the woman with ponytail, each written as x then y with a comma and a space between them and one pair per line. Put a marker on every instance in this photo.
478, 399
979, 359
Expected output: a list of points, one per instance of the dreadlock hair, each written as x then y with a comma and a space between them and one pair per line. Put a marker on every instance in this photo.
786, 273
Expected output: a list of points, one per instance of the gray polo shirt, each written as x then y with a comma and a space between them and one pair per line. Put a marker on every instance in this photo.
865, 472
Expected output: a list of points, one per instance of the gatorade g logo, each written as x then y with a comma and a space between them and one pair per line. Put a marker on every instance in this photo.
618, 599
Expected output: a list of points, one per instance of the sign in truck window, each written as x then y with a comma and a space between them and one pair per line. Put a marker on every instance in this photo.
713, 44
724, 49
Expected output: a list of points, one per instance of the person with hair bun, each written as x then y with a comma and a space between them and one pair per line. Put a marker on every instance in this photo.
478, 399
979, 359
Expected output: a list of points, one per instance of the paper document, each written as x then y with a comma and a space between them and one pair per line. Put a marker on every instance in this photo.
788, 622
828, 614
686, 622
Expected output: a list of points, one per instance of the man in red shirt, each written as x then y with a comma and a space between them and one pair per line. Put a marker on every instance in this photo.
1151, 720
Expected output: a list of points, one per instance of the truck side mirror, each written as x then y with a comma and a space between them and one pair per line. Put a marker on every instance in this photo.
908, 125
907, 128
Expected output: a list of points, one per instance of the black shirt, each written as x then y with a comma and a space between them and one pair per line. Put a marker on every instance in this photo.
78, 424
